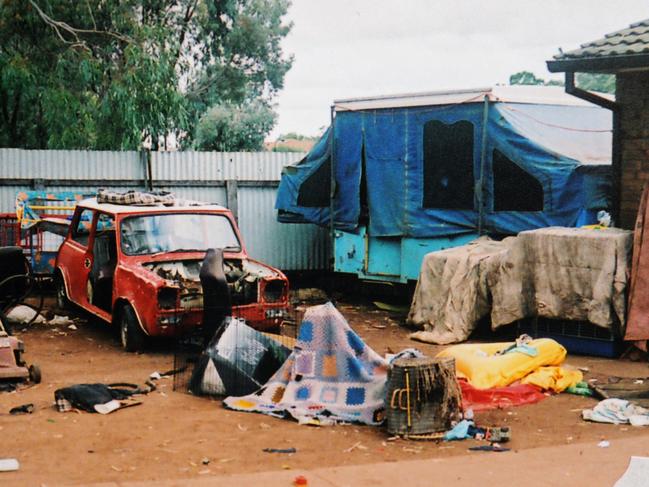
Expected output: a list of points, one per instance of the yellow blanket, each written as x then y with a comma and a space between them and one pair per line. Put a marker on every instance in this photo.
479, 365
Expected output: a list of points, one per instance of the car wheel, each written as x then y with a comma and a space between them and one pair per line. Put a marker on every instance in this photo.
35, 374
131, 335
62, 301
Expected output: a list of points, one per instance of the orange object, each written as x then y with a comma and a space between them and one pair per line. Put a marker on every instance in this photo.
300, 480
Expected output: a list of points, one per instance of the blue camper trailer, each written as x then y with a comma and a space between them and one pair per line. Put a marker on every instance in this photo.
397, 177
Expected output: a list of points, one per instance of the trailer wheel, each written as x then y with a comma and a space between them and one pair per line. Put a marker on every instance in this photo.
35, 374
131, 335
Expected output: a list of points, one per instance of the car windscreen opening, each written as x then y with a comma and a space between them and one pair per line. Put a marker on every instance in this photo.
177, 232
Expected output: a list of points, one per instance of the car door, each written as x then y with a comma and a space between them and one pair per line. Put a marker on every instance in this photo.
79, 255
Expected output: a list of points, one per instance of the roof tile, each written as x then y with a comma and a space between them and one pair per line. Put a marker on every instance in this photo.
631, 40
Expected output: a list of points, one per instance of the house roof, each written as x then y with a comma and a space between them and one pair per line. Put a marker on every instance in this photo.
623, 49
538, 95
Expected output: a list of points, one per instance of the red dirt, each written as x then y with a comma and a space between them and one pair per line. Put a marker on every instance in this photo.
171, 433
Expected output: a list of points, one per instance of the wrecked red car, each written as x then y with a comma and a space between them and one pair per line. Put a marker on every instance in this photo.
137, 267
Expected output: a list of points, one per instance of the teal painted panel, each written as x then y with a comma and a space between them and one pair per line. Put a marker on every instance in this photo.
392, 259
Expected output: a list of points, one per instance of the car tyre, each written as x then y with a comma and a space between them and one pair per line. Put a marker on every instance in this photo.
62, 300
131, 335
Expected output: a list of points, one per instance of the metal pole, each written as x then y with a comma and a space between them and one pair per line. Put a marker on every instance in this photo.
483, 160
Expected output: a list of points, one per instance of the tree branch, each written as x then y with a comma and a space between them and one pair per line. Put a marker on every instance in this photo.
61, 27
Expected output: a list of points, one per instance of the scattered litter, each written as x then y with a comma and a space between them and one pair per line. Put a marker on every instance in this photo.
205, 461
604, 444
9, 465
72, 327
617, 411
155, 376
358, 445
393, 308
265, 426
60, 321
117, 469
638, 381
23, 409
414, 449
225, 460
495, 447
22, 314
241, 427
204, 472
280, 450
300, 481
583, 369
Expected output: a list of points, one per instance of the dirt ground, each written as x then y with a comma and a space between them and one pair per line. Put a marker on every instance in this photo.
174, 435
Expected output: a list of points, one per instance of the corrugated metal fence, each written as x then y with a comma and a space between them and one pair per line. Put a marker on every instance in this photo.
246, 182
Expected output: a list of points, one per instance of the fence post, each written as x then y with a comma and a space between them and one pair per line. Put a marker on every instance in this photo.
232, 197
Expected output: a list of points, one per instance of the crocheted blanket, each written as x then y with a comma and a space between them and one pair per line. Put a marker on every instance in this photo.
331, 375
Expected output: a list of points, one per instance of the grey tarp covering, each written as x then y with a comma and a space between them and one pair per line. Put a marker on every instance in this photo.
565, 273
452, 293
556, 272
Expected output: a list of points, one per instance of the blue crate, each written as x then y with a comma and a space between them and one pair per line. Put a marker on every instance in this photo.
578, 337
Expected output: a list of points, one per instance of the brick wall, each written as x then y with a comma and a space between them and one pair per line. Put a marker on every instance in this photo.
632, 93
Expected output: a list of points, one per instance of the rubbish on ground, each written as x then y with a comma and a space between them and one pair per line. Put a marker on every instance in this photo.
422, 396
310, 295
460, 431
300, 481
483, 369
393, 308
23, 314
467, 429
9, 465
100, 398
331, 373
636, 474
580, 389
72, 327
499, 397
604, 444
630, 389
155, 376
495, 447
205, 461
280, 450
617, 411
358, 445
240, 362
23, 409
61, 321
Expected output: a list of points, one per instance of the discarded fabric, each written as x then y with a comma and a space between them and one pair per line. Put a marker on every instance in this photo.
483, 369
617, 411
239, 362
331, 373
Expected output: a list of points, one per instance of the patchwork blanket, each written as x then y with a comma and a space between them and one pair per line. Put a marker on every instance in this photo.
330, 375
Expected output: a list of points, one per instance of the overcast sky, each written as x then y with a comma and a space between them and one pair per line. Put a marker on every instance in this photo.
350, 48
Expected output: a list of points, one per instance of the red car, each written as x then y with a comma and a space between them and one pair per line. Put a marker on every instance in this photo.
137, 267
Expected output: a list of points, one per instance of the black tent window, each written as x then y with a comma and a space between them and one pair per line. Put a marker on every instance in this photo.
448, 165
314, 190
514, 188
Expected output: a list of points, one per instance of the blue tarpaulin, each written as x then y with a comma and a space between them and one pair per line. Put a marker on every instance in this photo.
399, 169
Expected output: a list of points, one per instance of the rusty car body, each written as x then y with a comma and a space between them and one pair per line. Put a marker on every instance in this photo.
137, 267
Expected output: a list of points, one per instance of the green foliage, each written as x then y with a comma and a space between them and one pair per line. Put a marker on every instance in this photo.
604, 83
228, 127
525, 78
107, 74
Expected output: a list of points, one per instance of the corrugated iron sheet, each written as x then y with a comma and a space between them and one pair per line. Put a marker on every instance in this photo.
289, 247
